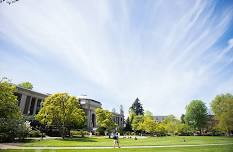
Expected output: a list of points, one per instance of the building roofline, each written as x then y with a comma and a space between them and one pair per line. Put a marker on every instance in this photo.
31, 91
89, 99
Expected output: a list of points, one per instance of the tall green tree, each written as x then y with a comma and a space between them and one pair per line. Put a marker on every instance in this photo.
222, 106
63, 111
137, 108
196, 115
10, 115
148, 125
182, 118
137, 123
105, 120
26, 85
171, 124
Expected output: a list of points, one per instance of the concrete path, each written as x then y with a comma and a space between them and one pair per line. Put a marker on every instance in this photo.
10, 146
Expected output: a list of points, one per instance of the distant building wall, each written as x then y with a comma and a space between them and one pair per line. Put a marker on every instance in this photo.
119, 119
159, 118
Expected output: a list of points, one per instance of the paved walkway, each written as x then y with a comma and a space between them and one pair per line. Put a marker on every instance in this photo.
10, 146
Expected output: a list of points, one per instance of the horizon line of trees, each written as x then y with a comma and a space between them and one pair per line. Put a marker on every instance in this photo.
65, 113
195, 120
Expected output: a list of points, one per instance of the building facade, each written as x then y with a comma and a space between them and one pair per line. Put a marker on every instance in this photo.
159, 118
118, 118
31, 101
89, 106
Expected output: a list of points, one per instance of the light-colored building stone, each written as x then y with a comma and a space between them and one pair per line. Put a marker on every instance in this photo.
159, 118
89, 106
118, 119
30, 103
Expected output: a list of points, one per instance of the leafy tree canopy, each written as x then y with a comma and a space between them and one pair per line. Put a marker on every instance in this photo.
62, 110
222, 106
148, 124
8, 101
196, 114
26, 85
171, 124
105, 119
137, 123
10, 116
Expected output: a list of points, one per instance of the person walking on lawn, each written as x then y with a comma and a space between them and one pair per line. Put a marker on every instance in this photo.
116, 140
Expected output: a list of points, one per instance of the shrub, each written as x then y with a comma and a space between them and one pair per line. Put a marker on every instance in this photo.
79, 133
35, 133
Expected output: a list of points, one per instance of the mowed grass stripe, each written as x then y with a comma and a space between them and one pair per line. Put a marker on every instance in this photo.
225, 148
150, 141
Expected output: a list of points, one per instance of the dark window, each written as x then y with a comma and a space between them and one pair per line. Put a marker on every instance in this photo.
26, 107
33, 101
38, 105
93, 120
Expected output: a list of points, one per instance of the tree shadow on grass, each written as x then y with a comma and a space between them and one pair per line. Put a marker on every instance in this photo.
81, 139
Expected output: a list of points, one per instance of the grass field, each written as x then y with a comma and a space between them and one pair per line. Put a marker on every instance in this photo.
103, 141
227, 148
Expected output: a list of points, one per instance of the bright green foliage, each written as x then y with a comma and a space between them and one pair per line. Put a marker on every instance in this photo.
26, 85
171, 124
148, 125
9, 112
136, 108
137, 123
196, 115
184, 129
63, 111
160, 129
222, 106
8, 101
104, 119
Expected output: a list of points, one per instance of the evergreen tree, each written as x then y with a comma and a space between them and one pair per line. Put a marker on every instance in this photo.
128, 126
137, 108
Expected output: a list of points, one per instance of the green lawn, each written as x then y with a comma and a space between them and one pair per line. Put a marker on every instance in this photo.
103, 141
227, 148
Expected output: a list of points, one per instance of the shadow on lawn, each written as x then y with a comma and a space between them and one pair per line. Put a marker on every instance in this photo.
81, 139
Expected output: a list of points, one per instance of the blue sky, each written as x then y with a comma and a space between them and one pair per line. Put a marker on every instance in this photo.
166, 53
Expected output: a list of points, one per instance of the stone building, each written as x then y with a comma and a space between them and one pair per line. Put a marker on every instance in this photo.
118, 119
89, 106
159, 118
30, 103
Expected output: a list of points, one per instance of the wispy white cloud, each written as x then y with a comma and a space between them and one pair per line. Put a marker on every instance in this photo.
164, 53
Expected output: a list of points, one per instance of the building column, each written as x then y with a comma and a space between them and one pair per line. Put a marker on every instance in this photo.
29, 105
22, 102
